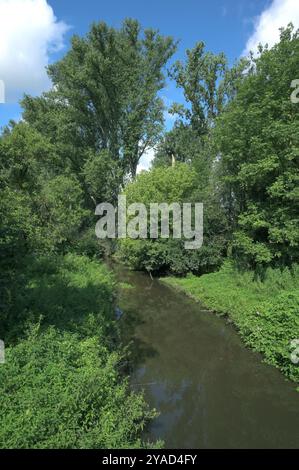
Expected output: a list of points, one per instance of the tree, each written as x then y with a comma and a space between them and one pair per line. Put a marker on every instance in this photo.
208, 85
26, 158
202, 81
181, 142
104, 95
257, 138
169, 185
102, 176
31, 173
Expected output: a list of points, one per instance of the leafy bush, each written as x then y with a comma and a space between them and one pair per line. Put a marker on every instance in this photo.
69, 292
61, 210
144, 255
60, 391
61, 386
88, 244
178, 184
272, 328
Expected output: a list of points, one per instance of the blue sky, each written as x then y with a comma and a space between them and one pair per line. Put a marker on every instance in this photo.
43, 30
222, 24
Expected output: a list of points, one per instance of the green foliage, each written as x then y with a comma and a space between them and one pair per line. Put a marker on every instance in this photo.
207, 84
276, 323
20, 233
198, 78
266, 312
19, 230
61, 209
103, 176
61, 385
68, 292
169, 256
87, 244
144, 255
181, 142
30, 176
40, 211
235, 144
257, 139
60, 391
162, 185
26, 158
177, 184
105, 96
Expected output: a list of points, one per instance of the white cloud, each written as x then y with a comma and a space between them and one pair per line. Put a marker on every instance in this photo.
146, 160
29, 32
266, 29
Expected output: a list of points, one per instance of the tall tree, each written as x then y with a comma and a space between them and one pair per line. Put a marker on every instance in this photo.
202, 79
208, 85
258, 142
105, 96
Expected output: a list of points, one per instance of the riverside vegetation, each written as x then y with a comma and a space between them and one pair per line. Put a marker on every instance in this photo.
235, 145
265, 313
239, 156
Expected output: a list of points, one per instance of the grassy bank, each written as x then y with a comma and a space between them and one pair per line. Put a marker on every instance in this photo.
266, 313
61, 385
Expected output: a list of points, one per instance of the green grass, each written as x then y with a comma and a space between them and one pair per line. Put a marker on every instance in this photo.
265, 313
69, 292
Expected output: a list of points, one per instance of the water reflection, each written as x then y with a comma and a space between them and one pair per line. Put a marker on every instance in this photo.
210, 390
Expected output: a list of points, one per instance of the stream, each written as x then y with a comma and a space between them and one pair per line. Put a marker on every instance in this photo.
210, 390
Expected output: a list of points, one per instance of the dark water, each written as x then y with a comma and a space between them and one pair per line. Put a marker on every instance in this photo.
210, 390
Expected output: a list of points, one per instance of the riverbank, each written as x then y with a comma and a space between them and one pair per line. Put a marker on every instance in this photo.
266, 313
209, 389
62, 384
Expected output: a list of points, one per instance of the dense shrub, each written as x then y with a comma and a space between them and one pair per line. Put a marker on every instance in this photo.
162, 256
88, 244
60, 386
60, 391
68, 292
178, 184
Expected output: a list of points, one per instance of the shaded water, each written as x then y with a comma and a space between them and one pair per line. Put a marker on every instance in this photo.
210, 390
